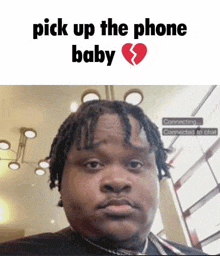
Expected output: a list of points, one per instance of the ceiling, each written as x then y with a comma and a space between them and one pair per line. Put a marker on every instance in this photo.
26, 201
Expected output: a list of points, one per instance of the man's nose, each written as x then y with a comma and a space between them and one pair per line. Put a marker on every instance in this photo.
116, 181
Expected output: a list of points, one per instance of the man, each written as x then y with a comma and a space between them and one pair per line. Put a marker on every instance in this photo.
106, 160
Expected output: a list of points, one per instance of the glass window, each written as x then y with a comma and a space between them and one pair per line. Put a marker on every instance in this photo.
196, 187
214, 162
206, 220
212, 248
188, 156
210, 112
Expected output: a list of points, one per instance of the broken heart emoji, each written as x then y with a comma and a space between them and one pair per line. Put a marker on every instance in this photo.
134, 54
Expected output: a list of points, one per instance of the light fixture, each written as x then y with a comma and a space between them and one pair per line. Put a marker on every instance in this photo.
43, 164
134, 97
90, 95
29, 133
4, 144
74, 106
25, 133
40, 171
14, 165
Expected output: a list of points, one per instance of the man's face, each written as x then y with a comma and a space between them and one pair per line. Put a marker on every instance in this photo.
111, 191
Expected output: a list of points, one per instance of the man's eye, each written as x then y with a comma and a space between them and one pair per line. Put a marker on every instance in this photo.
93, 164
135, 164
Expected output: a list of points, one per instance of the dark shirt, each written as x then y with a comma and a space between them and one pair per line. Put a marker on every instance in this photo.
66, 242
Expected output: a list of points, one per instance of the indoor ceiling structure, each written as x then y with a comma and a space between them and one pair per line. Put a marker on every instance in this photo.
26, 202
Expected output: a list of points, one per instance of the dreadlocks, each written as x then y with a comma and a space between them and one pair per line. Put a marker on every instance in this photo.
85, 119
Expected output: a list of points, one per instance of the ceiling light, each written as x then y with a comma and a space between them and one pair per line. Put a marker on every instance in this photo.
90, 95
134, 97
40, 171
14, 165
43, 164
4, 144
74, 106
30, 133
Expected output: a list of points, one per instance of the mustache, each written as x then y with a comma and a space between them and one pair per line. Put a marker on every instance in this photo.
117, 201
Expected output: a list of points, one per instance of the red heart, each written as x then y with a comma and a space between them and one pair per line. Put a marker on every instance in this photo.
139, 49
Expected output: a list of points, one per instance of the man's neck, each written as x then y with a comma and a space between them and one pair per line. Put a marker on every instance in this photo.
134, 244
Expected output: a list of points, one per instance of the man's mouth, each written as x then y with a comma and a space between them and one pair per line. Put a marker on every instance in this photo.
118, 207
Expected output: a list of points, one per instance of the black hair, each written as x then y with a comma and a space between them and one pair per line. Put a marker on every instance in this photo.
86, 117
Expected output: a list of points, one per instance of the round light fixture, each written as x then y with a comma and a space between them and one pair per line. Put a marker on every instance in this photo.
90, 95
74, 106
43, 164
4, 144
134, 97
40, 171
29, 133
14, 165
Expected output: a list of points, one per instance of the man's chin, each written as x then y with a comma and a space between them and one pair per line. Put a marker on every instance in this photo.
120, 232
120, 238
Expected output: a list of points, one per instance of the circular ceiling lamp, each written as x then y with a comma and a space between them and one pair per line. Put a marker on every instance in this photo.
90, 95
43, 164
134, 97
4, 144
74, 106
14, 165
30, 133
40, 171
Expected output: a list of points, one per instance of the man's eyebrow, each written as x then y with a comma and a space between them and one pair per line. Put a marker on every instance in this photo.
138, 149
94, 145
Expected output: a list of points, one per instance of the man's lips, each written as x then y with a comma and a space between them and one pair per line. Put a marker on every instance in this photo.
115, 202
117, 206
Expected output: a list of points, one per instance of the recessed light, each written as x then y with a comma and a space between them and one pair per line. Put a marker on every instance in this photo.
90, 95
134, 97
4, 144
29, 133
40, 171
14, 165
74, 106
43, 164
